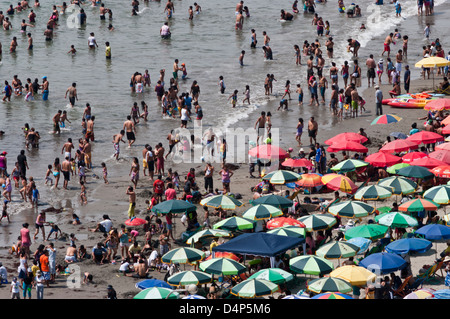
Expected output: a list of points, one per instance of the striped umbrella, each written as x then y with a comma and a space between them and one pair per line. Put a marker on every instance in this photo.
399, 146
369, 231
394, 168
441, 171
339, 183
222, 266
337, 250
439, 194
284, 221
362, 243
423, 293
221, 201
412, 156
318, 221
331, 295
418, 205
295, 297
189, 277
386, 119
415, 171
262, 211
298, 162
329, 284
396, 220
355, 275
174, 206
442, 294
348, 165
207, 233
194, 297
235, 223
252, 288
274, 200
275, 275
282, 177
183, 255
310, 180
399, 184
290, 231
351, 209
311, 265
157, 293
373, 192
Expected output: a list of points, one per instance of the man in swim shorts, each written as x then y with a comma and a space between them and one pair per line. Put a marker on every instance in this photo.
130, 130
66, 169
72, 92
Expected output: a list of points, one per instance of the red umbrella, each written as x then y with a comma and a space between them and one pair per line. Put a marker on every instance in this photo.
442, 171
437, 105
443, 146
442, 155
398, 146
284, 221
268, 151
411, 156
425, 137
348, 146
382, 159
135, 221
428, 162
345, 137
297, 162
446, 129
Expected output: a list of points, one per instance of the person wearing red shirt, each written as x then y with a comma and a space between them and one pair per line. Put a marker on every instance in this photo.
158, 188
45, 268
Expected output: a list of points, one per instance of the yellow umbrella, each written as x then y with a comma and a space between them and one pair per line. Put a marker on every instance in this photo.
355, 275
432, 62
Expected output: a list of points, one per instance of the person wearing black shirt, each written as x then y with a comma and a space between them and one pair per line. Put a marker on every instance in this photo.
23, 164
111, 293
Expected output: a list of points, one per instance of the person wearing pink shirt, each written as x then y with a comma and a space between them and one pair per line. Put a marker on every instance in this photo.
170, 192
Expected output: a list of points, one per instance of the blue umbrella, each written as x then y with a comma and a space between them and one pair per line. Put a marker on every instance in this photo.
434, 232
150, 283
362, 243
406, 245
383, 263
442, 294
194, 297
399, 135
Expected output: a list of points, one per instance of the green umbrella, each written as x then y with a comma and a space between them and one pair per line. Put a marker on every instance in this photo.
394, 168
311, 265
189, 277
329, 284
349, 165
399, 184
396, 220
415, 171
337, 250
351, 209
274, 200
290, 231
235, 223
369, 231
207, 233
373, 192
157, 293
221, 201
222, 266
282, 177
174, 206
275, 275
318, 221
262, 211
252, 288
438, 194
418, 205
183, 255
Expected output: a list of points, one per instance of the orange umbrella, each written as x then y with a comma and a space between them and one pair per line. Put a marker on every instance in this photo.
442, 155
284, 221
428, 162
442, 171
310, 180
223, 254
339, 183
446, 121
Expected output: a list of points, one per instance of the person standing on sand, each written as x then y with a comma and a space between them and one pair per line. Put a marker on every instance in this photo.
159, 154
378, 100
130, 129
371, 65
132, 201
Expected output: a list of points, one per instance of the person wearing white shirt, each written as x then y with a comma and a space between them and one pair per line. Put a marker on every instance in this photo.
3, 274
39, 279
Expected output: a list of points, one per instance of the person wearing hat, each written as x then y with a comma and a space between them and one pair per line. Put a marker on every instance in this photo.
111, 293
183, 69
378, 100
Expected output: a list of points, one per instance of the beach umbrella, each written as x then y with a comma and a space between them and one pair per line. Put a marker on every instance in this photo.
283, 221
194, 297
383, 263
339, 183
235, 223
396, 220
329, 284
412, 156
317, 222
355, 275
425, 137
337, 250
432, 62
205, 233
189, 277
439, 194
446, 130
421, 294
252, 288
415, 171
174, 206
351, 209
310, 180
157, 293
369, 231
442, 294
438, 105
295, 297
262, 211
347, 136
394, 168
150, 283
348, 165
135, 221
382, 159
290, 231
406, 245
222, 266
275, 275
268, 151
361, 242
441, 171
399, 146
297, 162
311, 265
427, 162
386, 119
282, 177
443, 146
399, 135
347, 146
441, 155
331, 296
182, 255
399, 184
221, 201
418, 205
373, 192
274, 200
224, 254
434, 232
